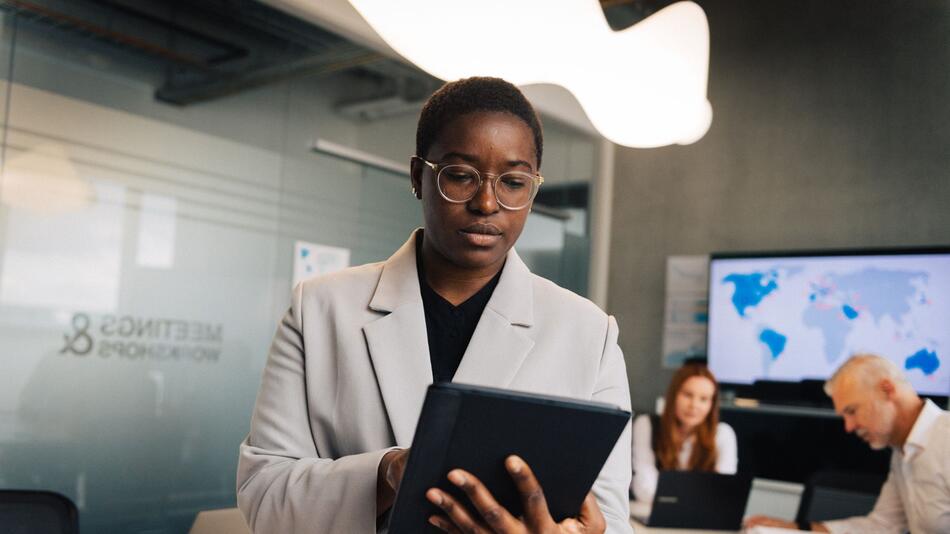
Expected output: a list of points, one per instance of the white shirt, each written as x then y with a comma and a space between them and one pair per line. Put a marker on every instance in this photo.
645, 473
916, 496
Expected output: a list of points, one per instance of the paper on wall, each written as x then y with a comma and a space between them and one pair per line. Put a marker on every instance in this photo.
687, 309
312, 259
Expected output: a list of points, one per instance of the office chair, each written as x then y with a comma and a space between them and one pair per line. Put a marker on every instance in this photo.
833, 495
37, 512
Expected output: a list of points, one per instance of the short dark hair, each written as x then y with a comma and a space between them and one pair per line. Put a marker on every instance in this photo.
470, 95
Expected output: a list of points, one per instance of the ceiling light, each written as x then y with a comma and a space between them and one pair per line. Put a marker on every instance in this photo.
642, 87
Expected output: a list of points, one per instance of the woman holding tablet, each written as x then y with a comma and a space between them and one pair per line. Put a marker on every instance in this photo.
352, 358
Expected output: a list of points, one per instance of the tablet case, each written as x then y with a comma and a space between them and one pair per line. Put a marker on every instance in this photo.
564, 441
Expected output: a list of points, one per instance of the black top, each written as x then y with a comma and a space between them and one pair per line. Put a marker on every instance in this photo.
450, 328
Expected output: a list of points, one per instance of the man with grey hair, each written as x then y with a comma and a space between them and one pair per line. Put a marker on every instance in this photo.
881, 407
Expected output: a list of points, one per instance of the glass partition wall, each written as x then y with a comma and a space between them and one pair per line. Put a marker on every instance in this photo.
146, 254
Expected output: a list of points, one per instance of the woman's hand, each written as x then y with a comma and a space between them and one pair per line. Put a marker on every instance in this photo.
496, 519
388, 477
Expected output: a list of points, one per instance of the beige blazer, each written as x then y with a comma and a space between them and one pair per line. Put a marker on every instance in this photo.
348, 370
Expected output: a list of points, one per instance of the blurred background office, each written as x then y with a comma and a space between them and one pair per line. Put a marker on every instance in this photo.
170, 168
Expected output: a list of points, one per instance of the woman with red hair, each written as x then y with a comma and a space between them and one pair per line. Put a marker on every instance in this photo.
687, 436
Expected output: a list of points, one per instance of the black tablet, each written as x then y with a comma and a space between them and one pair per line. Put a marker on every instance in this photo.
565, 441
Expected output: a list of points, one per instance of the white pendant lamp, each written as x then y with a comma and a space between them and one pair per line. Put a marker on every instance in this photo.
641, 87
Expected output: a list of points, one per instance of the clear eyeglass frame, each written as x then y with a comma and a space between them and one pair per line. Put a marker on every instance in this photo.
437, 168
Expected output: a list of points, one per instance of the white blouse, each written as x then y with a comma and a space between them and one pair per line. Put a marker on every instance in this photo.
645, 473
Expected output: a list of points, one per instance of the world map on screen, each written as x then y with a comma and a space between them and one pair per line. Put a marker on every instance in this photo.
795, 318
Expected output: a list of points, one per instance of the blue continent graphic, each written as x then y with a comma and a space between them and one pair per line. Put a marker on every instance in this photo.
849, 312
925, 360
750, 289
774, 341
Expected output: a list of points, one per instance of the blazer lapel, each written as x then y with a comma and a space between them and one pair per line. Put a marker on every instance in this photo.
397, 342
500, 342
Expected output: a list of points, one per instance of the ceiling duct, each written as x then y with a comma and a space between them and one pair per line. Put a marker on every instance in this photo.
202, 50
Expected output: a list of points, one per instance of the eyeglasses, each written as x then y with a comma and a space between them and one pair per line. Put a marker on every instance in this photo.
458, 183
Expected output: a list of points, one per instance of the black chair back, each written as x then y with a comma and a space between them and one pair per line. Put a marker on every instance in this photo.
37, 512
831, 495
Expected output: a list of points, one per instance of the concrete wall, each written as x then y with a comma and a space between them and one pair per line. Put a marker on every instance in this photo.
831, 129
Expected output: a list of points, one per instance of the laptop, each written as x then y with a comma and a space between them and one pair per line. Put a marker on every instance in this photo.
698, 500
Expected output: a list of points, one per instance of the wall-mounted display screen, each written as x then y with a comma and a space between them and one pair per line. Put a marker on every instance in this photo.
795, 316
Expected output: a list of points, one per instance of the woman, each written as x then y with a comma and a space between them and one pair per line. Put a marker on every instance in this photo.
351, 359
688, 436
